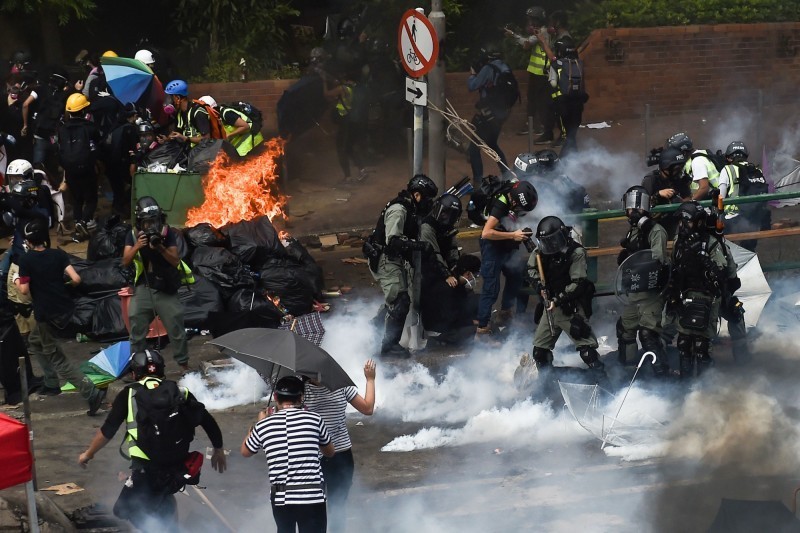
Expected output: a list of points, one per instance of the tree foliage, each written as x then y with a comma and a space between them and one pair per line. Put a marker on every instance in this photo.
63, 10
227, 31
590, 15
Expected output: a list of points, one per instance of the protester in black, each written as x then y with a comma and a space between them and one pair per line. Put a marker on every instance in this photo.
148, 492
78, 142
120, 159
41, 273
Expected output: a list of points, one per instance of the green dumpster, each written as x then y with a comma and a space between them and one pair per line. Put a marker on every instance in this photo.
175, 193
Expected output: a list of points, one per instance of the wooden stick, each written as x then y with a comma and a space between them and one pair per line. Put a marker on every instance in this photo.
213, 509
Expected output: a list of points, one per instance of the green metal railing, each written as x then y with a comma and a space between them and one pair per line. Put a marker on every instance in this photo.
590, 223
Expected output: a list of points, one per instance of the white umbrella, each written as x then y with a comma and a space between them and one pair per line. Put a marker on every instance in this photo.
755, 290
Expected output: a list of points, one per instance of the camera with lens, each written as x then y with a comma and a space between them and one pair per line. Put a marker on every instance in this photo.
528, 242
655, 157
154, 238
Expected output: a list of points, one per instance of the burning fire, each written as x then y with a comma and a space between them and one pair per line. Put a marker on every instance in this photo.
241, 191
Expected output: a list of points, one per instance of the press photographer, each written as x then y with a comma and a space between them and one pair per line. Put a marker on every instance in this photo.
152, 247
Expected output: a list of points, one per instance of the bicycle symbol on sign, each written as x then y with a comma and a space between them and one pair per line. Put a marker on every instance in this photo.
411, 57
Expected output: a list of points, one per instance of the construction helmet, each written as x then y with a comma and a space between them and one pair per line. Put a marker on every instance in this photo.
20, 167
523, 197
177, 87
681, 141
737, 151
147, 363
145, 56
447, 210
76, 102
110, 53
208, 100
551, 234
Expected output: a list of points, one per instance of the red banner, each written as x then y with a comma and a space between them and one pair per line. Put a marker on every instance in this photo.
15, 455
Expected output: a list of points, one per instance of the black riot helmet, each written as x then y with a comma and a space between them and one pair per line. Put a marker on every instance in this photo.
551, 234
692, 219
427, 188
447, 210
681, 141
149, 217
671, 160
737, 151
565, 47
636, 203
523, 197
547, 160
21, 58
147, 363
490, 52
536, 13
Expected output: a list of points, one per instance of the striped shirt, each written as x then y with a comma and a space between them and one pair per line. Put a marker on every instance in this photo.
331, 406
291, 439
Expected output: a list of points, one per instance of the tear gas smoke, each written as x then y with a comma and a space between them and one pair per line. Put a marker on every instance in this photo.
225, 388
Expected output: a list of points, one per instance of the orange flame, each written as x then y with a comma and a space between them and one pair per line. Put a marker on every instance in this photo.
236, 191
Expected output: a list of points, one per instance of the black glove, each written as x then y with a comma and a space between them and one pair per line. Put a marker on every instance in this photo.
622, 256
734, 284
422, 246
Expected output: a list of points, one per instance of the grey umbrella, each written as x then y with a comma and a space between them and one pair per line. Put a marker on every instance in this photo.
261, 348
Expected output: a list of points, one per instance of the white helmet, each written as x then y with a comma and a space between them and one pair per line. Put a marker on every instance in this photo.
20, 167
208, 100
145, 56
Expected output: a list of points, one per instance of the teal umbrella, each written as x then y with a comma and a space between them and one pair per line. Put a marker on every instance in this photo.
128, 78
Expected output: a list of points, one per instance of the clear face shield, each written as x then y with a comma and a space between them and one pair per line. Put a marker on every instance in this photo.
448, 217
12, 180
554, 243
636, 199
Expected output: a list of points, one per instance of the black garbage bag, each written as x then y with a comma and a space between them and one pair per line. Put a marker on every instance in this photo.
253, 300
198, 301
285, 278
299, 253
107, 321
109, 240
254, 241
81, 319
222, 268
180, 242
206, 151
103, 276
170, 153
204, 234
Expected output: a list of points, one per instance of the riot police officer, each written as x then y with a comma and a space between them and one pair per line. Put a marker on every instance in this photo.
668, 185
644, 254
699, 272
558, 267
389, 248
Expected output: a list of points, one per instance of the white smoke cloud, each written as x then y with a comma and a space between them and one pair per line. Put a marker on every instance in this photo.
237, 385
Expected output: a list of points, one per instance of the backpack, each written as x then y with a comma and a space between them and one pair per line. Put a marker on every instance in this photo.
165, 420
252, 112
504, 92
76, 150
491, 186
216, 128
716, 157
751, 180
50, 110
570, 79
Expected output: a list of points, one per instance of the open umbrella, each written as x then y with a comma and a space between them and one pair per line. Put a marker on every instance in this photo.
128, 78
262, 348
108, 365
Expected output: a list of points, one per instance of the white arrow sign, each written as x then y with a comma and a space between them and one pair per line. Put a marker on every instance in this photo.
416, 92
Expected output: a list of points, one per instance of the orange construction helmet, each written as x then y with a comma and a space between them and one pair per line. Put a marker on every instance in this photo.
110, 53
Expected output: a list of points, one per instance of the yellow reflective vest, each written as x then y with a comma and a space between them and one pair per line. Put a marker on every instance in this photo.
243, 142
537, 64
187, 277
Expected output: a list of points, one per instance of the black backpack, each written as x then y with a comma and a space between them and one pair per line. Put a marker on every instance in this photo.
252, 112
50, 111
751, 180
165, 421
491, 186
504, 92
570, 79
76, 150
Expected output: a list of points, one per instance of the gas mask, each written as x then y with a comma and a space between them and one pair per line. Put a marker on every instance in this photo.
169, 109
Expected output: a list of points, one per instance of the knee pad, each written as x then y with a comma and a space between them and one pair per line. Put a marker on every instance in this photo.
542, 357
399, 308
620, 329
590, 357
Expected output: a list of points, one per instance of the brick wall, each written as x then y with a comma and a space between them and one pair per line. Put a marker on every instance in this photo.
674, 69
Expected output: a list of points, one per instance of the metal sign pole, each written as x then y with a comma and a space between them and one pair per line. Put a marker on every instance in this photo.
30, 486
418, 138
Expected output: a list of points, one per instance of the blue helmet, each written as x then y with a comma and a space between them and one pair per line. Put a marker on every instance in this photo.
179, 87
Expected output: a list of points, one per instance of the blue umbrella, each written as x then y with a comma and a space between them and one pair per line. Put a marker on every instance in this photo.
128, 78
113, 359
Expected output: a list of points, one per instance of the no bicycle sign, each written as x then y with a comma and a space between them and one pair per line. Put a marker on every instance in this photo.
417, 43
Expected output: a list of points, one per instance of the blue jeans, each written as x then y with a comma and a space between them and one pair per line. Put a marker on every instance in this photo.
499, 257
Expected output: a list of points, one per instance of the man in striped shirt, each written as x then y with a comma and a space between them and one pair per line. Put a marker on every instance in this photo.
292, 439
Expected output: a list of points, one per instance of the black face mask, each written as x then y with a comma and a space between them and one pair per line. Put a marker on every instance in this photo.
634, 217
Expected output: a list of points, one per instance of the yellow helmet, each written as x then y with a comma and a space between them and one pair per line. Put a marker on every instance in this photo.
110, 53
76, 102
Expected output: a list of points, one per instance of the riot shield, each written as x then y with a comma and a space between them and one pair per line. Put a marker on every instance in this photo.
640, 273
